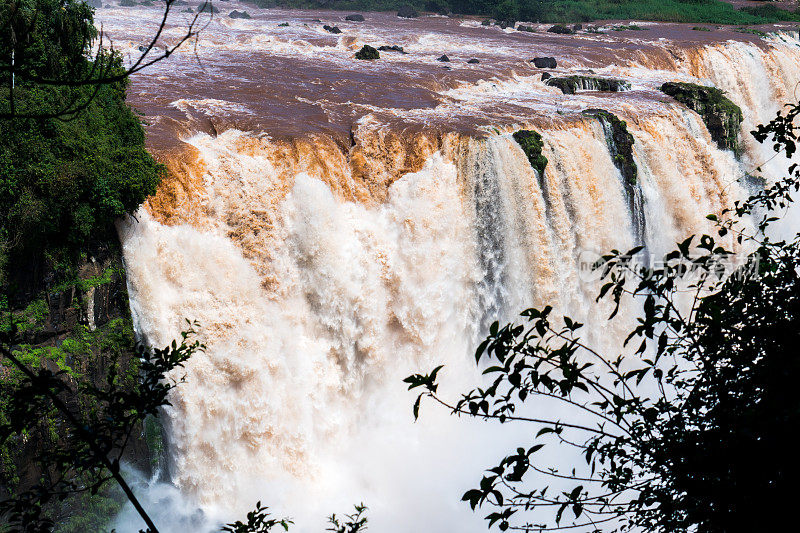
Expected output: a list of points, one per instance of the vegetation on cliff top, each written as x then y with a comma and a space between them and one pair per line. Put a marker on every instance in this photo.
571, 84
721, 116
63, 180
705, 11
531, 143
72, 160
620, 142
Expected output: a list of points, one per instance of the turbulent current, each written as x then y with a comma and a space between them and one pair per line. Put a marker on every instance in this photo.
335, 225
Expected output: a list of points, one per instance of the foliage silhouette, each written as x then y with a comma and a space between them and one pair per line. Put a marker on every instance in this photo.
351, 523
95, 437
684, 428
45, 68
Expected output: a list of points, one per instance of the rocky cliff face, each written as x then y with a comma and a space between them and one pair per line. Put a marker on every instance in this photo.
80, 327
620, 142
721, 116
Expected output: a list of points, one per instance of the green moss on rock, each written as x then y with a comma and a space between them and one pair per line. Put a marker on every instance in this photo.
721, 116
571, 84
368, 53
531, 143
620, 142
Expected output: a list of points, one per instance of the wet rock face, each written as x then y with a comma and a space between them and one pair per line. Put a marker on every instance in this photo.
531, 143
620, 142
544, 62
92, 316
721, 116
367, 53
355, 18
571, 84
332, 29
443, 58
473, 61
239, 14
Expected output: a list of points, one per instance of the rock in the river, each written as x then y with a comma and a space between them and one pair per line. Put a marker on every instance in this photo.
571, 84
393, 48
544, 62
577, 27
531, 143
207, 7
546, 76
561, 29
529, 29
722, 117
620, 142
355, 17
473, 61
332, 29
367, 53
407, 12
239, 14
443, 58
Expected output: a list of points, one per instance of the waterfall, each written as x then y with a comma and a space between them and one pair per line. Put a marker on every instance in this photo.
321, 277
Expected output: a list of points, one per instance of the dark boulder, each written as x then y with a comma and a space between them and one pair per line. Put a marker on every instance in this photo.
544, 62
577, 27
473, 61
561, 30
331, 29
355, 18
528, 29
367, 53
407, 12
443, 58
393, 48
239, 14
283, 25
546, 76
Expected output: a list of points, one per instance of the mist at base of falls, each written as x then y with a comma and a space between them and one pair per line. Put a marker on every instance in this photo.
315, 305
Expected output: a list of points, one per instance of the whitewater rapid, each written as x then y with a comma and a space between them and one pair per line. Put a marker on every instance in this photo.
322, 275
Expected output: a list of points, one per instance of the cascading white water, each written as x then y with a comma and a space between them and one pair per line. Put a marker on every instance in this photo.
314, 306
